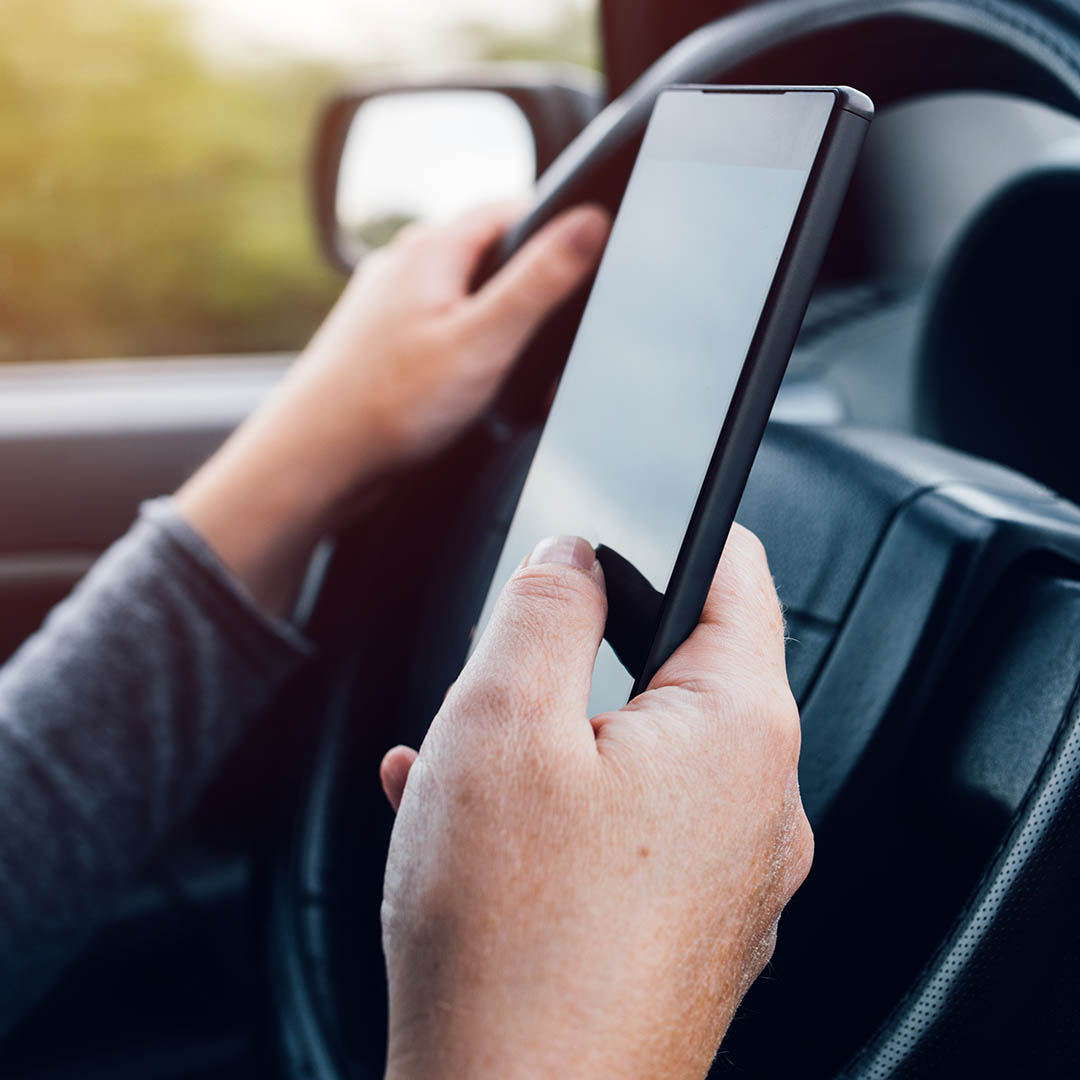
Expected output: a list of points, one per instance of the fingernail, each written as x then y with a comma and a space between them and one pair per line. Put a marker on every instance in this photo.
587, 230
566, 550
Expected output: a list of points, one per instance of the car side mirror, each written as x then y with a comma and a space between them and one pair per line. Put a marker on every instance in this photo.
390, 155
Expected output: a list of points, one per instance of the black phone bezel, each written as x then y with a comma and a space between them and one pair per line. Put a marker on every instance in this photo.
763, 369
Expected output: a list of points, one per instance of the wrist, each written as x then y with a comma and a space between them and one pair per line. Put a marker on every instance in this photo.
504, 1038
273, 494
263, 514
496, 1029
327, 441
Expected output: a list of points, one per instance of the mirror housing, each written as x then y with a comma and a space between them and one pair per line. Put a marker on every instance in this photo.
551, 106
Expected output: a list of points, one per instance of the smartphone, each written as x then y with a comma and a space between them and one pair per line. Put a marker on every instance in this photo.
679, 354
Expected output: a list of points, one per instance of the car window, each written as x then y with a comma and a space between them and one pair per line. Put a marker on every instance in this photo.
152, 157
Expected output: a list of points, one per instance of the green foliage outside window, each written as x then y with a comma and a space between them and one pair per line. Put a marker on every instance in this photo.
154, 202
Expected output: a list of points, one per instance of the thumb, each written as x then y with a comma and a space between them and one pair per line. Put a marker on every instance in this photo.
508, 309
538, 651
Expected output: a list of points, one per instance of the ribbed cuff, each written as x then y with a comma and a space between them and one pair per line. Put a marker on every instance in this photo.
263, 631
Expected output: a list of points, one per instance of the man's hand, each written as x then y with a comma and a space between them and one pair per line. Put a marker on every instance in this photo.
592, 898
411, 357
404, 362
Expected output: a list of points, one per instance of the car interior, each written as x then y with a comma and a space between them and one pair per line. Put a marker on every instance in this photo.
916, 493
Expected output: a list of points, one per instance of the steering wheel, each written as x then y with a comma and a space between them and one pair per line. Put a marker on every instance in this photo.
941, 777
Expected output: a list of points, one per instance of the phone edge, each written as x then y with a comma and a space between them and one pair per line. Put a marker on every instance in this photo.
767, 359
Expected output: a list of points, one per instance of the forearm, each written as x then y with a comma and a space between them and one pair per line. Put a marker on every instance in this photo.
111, 719
265, 500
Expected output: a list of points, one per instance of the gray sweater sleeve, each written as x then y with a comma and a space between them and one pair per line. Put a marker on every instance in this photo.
111, 718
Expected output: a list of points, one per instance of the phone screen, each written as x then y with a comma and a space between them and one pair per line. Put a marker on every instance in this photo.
665, 333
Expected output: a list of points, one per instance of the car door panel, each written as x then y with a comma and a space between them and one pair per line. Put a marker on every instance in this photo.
82, 445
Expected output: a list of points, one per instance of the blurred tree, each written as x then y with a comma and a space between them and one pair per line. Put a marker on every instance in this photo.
148, 202
571, 36
152, 202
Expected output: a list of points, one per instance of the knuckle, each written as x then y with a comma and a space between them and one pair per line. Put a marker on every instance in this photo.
749, 549
802, 852
498, 694
451, 344
551, 587
783, 713
558, 268
745, 578
409, 236
504, 727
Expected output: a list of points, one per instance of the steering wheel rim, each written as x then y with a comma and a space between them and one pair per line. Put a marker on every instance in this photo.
895, 50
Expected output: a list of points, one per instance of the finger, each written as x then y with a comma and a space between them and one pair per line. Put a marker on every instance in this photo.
394, 772
455, 250
741, 630
508, 309
537, 654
